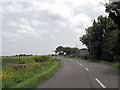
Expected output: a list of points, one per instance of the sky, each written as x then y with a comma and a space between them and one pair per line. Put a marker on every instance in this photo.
39, 26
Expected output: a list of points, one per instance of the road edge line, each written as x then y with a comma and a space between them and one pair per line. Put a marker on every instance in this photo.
103, 86
87, 69
81, 65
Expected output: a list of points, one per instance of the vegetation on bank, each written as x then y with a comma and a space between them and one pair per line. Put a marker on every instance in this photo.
85, 57
103, 38
27, 73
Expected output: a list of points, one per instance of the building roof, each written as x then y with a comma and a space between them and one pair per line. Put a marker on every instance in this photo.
83, 49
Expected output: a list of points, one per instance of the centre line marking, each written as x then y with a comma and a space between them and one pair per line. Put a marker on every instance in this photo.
100, 83
76, 62
81, 64
87, 69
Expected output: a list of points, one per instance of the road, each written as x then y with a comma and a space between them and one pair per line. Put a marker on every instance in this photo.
82, 74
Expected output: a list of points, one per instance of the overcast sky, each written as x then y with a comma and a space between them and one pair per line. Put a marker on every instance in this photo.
38, 27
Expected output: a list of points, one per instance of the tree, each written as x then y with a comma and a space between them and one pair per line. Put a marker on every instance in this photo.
97, 36
68, 50
74, 50
114, 12
59, 49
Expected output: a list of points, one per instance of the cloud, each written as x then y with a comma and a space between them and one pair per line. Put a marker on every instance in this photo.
80, 22
37, 23
13, 7
12, 23
52, 37
62, 21
56, 30
10, 34
54, 10
25, 29
65, 13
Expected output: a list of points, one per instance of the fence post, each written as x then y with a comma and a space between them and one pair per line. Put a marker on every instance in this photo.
19, 57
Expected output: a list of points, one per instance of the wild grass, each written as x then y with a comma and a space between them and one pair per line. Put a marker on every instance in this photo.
40, 77
115, 64
36, 69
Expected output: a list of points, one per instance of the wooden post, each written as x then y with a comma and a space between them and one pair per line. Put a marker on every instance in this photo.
19, 57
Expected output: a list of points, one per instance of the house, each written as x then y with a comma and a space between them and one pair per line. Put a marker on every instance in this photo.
83, 51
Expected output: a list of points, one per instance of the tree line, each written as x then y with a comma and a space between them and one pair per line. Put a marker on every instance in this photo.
65, 50
103, 38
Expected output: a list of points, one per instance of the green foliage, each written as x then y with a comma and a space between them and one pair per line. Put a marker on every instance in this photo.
42, 58
40, 77
101, 39
11, 77
61, 50
114, 12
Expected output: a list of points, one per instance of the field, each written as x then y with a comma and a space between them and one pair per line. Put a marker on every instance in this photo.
29, 72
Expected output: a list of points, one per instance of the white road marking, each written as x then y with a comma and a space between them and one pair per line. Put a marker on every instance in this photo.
76, 62
81, 65
103, 86
87, 69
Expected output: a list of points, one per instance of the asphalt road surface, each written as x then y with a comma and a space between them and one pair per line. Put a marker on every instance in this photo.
82, 74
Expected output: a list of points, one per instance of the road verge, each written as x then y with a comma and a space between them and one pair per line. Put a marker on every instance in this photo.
112, 64
39, 78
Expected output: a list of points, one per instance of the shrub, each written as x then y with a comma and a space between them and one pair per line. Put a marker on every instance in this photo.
42, 58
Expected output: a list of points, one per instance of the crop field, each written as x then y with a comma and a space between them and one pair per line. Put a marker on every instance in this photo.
28, 72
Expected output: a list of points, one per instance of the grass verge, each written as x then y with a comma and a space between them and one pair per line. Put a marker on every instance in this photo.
38, 78
114, 65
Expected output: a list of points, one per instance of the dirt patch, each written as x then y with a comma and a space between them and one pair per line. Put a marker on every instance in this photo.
17, 66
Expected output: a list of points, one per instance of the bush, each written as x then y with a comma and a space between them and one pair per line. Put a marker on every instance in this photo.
107, 57
41, 58
84, 56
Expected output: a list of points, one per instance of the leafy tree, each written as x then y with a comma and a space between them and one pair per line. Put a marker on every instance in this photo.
114, 12
111, 45
67, 50
97, 37
58, 49
61, 50
74, 50
103, 37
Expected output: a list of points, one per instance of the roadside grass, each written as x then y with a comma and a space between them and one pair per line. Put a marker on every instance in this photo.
112, 64
37, 69
115, 64
46, 72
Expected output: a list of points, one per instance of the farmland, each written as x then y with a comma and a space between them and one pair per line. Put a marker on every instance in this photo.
28, 72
